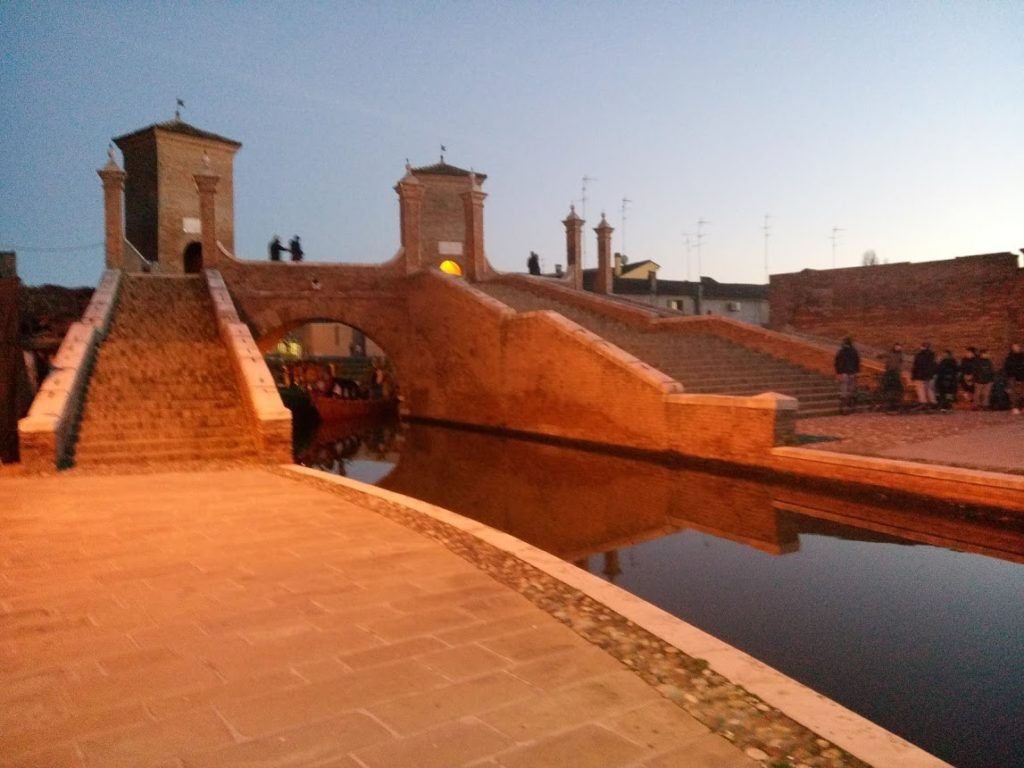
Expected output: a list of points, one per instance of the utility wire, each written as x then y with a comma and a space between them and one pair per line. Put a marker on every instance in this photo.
65, 249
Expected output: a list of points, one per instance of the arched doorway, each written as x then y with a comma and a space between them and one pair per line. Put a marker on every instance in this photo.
450, 267
193, 258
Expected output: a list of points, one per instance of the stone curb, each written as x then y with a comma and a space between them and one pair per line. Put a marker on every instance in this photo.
855, 734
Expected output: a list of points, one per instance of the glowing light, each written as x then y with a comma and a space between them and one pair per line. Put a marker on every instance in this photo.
451, 267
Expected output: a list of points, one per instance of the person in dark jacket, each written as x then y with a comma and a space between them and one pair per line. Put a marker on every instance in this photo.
947, 377
1013, 369
296, 248
922, 373
892, 383
967, 363
984, 375
275, 248
847, 365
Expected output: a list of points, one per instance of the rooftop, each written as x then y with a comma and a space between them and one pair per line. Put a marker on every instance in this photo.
179, 126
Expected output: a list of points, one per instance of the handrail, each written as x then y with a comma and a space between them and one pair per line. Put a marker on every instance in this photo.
46, 434
271, 420
144, 264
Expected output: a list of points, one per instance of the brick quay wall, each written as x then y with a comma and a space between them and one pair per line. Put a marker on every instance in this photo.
968, 301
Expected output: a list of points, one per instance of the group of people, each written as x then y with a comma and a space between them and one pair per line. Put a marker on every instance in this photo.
294, 248
937, 381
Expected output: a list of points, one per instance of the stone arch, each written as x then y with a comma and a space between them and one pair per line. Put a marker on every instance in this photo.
267, 337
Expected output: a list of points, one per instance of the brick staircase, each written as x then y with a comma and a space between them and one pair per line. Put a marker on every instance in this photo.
702, 363
163, 390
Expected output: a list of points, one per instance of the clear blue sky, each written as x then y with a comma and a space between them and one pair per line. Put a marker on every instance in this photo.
900, 122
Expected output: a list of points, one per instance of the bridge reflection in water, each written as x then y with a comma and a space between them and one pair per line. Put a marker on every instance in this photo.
890, 609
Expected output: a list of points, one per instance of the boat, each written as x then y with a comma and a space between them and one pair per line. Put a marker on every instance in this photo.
332, 408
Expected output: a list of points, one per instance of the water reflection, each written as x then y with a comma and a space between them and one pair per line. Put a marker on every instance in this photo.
364, 449
576, 504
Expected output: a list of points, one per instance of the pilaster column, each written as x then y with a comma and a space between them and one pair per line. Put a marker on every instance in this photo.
410, 204
113, 211
574, 248
473, 206
603, 283
206, 182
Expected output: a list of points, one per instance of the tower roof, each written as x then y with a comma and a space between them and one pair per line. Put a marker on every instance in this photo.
443, 169
180, 127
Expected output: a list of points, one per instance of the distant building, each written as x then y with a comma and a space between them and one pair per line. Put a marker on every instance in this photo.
330, 340
741, 301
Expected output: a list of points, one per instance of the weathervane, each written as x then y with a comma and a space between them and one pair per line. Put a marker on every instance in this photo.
177, 111
443, 150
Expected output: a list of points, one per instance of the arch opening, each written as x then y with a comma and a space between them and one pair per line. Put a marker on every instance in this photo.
343, 391
192, 258
451, 267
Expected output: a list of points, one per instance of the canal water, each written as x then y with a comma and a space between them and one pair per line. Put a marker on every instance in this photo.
911, 616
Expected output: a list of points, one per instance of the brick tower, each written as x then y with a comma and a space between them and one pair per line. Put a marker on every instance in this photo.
168, 167
442, 218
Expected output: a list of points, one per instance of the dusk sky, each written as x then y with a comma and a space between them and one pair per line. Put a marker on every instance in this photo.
902, 123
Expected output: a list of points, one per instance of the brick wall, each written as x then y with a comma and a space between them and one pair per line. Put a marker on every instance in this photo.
10, 368
973, 300
179, 158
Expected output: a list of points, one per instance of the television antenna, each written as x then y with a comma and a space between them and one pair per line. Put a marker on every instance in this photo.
834, 237
700, 243
583, 210
625, 201
688, 244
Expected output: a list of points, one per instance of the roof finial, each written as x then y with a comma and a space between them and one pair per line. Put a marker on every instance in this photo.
177, 111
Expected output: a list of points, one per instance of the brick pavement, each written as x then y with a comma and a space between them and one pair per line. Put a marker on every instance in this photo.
981, 440
239, 618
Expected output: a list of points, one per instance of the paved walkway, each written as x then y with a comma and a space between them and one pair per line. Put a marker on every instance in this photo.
980, 440
240, 618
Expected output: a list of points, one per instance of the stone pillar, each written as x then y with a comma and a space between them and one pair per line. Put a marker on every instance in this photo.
603, 283
574, 248
113, 211
410, 204
206, 182
473, 250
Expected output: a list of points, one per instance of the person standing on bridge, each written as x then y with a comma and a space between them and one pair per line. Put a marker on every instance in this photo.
275, 248
296, 248
847, 364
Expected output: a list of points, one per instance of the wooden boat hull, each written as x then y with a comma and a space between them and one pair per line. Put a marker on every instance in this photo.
332, 408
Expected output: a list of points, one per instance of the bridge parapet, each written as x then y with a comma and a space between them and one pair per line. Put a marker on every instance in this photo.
270, 419
45, 434
540, 373
808, 354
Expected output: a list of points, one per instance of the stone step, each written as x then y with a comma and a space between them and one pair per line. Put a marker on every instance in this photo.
150, 413
164, 390
162, 444
184, 454
185, 420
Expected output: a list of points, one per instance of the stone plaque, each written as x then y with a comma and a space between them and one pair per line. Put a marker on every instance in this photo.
191, 226
445, 248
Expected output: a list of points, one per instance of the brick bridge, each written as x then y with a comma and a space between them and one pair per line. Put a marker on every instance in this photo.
469, 345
